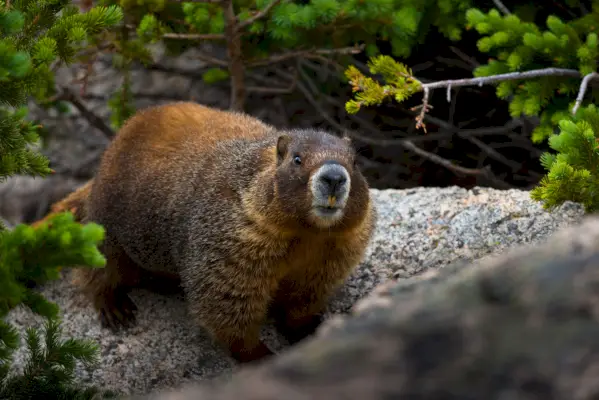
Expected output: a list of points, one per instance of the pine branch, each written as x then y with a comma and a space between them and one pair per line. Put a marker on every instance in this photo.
485, 80
258, 15
36, 37
403, 84
572, 172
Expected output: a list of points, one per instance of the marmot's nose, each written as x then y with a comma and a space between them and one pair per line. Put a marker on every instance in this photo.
334, 180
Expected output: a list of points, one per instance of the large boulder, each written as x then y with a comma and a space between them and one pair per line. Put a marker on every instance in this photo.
519, 326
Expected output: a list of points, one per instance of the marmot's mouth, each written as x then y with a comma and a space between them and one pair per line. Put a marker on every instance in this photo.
327, 211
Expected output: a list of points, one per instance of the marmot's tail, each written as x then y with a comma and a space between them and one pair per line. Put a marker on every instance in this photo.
74, 202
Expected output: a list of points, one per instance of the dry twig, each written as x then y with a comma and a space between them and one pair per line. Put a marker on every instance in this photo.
501, 7
583, 89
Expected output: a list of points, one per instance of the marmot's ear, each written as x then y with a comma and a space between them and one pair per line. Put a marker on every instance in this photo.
282, 146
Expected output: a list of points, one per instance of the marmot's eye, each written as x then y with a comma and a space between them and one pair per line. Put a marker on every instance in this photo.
297, 160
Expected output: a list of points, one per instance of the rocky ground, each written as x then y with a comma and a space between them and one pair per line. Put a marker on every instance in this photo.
419, 231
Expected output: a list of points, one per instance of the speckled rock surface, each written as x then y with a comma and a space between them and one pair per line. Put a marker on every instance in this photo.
418, 230
518, 326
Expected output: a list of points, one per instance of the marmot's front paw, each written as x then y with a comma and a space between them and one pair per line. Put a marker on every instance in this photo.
244, 355
117, 311
295, 331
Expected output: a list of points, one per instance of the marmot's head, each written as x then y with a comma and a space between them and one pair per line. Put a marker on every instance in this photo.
317, 180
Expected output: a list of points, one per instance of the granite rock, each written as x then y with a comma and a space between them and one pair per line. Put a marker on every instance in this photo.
521, 325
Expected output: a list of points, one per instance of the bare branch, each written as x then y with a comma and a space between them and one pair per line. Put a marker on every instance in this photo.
449, 128
312, 100
493, 130
519, 142
469, 134
269, 90
440, 160
583, 89
276, 90
303, 53
68, 95
501, 7
212, 60
258, 15
452, 62
510, 76
465, 57
195, 73
491, 152
194, 36
480, 81
535, 73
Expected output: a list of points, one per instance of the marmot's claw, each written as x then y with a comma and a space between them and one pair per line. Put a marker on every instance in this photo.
119, 314
244, 356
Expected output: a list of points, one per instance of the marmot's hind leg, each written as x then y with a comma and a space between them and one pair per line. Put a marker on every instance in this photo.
160, 282
108, 287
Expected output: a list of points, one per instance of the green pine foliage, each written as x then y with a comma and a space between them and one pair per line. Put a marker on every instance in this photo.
400, 84
573, 173
321, 23
290, 25
34, 34
29, 256
517, 45
52, 363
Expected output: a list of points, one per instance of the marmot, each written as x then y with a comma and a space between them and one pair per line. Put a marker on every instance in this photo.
254, 221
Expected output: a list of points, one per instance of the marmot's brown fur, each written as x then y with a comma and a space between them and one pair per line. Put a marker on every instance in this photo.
254, 221
74, 202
